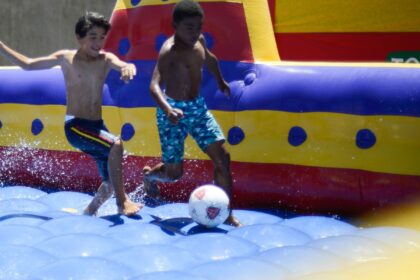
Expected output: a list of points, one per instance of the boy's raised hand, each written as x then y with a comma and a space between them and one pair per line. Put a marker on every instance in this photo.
128, 72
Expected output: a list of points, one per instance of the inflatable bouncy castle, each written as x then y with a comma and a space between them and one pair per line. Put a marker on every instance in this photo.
357, 30
309, 136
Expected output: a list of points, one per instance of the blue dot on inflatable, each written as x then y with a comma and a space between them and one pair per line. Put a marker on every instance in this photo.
127, 131
160, 39
297, 136
209, 40
37, 126
135, 2
1, 124
124, 46
365, 139
235, 135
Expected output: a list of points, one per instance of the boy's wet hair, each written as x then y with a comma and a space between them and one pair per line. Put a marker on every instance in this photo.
89, 20
186, 8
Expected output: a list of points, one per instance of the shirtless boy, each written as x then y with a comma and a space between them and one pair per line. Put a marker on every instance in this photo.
181, 109
84, 72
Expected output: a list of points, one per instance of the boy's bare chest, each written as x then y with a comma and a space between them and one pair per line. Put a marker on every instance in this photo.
82, 73
186, 61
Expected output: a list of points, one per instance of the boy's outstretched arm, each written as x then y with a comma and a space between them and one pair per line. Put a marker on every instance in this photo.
127, 70
30, 63
213, 65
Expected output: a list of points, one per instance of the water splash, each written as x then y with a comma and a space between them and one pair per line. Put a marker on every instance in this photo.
24, 162
138, 194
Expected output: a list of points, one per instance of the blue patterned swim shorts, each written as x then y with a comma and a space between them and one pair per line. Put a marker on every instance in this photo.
197, 121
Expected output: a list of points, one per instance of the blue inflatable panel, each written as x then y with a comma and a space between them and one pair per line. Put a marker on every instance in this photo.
292, 88
64, 244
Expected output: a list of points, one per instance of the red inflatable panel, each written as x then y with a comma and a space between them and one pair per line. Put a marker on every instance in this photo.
256, 185
365, 47
150, 25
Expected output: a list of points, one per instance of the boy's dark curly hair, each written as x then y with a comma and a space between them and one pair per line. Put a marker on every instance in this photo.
89, 20
186, 8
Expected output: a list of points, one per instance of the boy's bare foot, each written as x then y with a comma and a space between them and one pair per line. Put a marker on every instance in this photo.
129, 208
232, 221
150, 187
90, 211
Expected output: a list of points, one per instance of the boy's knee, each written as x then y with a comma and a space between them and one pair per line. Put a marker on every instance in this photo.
118, 144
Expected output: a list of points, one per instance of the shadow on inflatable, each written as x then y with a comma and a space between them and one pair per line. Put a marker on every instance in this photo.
313, 137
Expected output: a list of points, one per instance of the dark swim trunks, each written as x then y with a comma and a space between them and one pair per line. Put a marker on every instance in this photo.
93, 138
197, 121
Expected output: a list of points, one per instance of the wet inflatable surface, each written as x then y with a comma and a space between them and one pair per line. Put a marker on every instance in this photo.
44, 236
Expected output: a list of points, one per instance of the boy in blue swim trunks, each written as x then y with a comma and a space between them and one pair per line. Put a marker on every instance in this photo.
181, 110
84, 72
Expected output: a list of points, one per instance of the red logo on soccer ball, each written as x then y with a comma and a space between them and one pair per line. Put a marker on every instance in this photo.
200, 194
212, 212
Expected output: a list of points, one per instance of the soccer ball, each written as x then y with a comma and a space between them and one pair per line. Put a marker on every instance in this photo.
209, 206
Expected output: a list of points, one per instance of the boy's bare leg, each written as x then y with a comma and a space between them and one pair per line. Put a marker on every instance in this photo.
103, 194
168, 172
150, 186
124, 204
222, 174
233, 221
